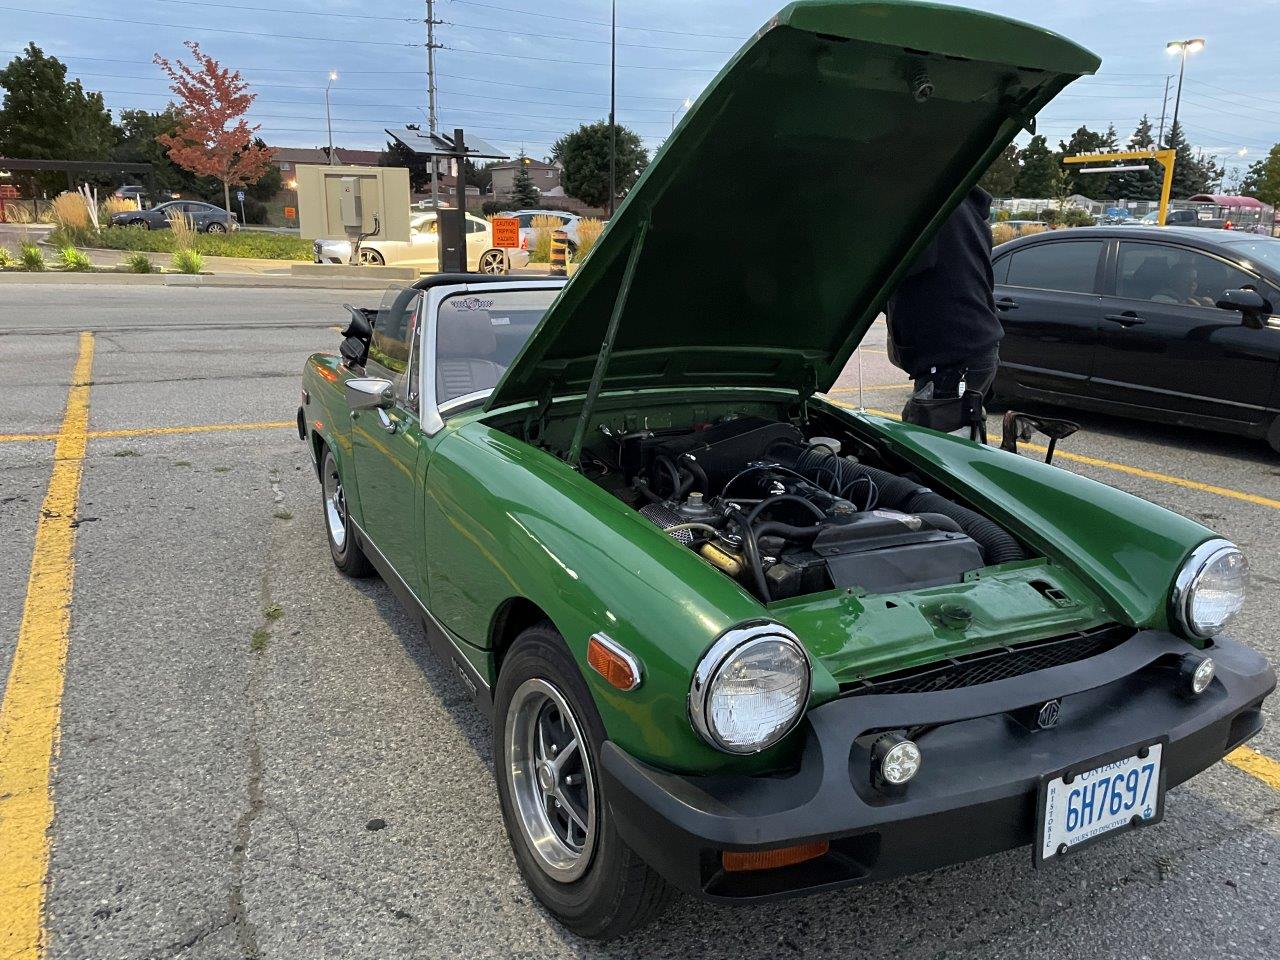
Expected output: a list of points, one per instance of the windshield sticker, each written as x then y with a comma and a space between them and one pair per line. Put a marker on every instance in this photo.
499, 321
472, 303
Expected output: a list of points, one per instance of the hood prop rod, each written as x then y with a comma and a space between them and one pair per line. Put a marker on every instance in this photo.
606, 348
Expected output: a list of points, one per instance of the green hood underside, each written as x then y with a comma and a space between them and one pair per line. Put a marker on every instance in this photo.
777, 218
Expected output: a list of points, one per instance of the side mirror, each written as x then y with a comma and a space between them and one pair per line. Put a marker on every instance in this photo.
1024, 426
369, 393
1252, 306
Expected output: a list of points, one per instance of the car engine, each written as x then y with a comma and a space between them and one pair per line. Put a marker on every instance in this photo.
786, 515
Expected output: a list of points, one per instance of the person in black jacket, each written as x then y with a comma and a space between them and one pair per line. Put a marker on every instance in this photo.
943, 328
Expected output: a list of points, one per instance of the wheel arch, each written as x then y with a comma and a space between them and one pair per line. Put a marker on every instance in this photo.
513, 616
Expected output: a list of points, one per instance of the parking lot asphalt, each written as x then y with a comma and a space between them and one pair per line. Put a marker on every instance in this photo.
259, 758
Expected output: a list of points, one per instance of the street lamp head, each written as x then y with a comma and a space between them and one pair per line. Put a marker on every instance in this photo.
1194, 45
688, 102
333, 74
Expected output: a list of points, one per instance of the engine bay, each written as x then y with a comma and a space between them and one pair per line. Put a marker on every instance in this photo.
787, 512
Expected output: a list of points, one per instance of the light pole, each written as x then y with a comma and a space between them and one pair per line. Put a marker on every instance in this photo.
613, 89
676, 112
333, 75
1181, 48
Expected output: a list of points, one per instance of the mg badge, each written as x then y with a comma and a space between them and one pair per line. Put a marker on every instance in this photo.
1048, 715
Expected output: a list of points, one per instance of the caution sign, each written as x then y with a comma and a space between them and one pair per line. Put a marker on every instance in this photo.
506, 232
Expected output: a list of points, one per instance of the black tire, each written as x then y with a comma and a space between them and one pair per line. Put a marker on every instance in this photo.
215, 227
618, 891
346, 552
139, 222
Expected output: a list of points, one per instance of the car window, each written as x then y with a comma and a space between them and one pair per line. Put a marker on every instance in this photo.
476, 226
1070, 266
1000, 269
479, 334
525, 219
393, 333
1258, 249
1163, 273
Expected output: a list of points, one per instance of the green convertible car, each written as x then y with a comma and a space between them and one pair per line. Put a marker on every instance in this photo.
736, 639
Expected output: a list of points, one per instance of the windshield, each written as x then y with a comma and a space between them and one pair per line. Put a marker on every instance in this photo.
1262, 250
479, 334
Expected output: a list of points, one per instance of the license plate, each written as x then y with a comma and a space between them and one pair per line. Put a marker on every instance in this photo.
1089, 801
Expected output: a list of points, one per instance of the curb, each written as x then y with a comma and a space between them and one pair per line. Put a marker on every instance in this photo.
192, 280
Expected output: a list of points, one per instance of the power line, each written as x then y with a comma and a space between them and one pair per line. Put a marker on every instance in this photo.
557, 36
581, 63
184, 26
292, 12
600, 23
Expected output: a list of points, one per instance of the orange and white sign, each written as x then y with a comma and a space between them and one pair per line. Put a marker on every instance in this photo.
291, 213
506, 232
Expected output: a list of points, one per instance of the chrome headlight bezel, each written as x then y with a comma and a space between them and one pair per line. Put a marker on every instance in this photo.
1182, 595
729, 645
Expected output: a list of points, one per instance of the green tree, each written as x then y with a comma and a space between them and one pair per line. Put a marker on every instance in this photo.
1192, 173
584, 157
1263, 178
523, 192
1084, 140
1140, 184
1001, 175
138, 144
397, 154
1039, 166
47, 118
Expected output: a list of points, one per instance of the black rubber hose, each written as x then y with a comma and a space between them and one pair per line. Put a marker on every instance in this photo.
773, 501
901, 494
699, 474
662, 460
752, 552
785, 530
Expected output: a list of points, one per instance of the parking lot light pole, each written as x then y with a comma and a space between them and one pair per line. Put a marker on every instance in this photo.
1182, 48
333, 75
676, 112
613, 88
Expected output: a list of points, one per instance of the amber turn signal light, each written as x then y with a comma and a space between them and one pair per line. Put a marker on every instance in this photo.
773, 859
616, 664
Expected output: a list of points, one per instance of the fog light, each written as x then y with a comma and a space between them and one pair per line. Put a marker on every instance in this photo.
1196, 673
894, 761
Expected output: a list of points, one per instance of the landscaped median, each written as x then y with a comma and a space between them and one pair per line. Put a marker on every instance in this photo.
250, 244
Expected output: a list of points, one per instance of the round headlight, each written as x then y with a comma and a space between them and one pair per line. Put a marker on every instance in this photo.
1209, 589
750, 689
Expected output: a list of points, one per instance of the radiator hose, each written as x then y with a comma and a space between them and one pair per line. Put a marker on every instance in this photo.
899, 493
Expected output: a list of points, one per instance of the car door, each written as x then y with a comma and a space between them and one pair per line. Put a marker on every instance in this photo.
198, 214
477, 241
386, 443
1048, 302
424, 244
1166, 347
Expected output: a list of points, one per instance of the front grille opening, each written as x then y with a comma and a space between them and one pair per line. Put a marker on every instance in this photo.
1001, 663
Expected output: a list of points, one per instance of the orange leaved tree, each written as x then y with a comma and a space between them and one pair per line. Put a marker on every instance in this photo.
212, 138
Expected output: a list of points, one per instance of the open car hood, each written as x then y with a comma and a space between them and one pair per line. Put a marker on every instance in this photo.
777, 218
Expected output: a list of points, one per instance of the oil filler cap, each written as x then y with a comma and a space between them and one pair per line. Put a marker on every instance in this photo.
955, 616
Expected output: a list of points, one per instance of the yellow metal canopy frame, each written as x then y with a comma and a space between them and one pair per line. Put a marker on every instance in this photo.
1163, 157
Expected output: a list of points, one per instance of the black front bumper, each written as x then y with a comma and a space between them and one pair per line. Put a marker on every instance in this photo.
978, 786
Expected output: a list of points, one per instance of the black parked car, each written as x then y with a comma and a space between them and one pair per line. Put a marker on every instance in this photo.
1173, 324
206, 217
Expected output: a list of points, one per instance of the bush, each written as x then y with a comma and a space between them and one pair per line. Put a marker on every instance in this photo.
187, 261
68, 210
6, 258
540, 242
240, 243
1075, 217
1001, 233
491, 207
139, 262
30, 257
113, 205
19, 211
182, 229
73, 259
589, 230
1003, 215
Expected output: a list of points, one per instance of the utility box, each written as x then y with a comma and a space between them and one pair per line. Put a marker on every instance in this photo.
336, 203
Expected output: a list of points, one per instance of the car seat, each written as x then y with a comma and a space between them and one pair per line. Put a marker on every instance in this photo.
465, 341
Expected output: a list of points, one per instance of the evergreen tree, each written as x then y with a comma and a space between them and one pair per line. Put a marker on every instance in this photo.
1035, 178
584, 157
523, 191
1263, 178
1084, 140
1140, 184
1192, 173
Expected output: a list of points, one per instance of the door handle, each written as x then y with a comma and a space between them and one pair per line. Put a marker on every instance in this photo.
1006, 303
1126, 319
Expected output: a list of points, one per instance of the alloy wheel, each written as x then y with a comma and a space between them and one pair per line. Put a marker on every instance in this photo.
493, 262
549, 772
335, 504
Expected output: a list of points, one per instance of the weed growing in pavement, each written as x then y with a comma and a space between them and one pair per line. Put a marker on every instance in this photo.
283, 514
187, 261
273, 612
139, 262
127, 452
221, 469
182, 463
30, 256
258, 639
73, 259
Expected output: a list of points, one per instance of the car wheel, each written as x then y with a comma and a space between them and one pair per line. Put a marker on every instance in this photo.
547, 737
371, 258
493, 262
215, 227
1273, 435
139, 222
347, 555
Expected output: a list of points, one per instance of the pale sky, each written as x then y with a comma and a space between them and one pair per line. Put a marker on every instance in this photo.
521, 72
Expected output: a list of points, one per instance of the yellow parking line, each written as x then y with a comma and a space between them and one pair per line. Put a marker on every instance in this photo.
1257, 765
32, 706
154, 431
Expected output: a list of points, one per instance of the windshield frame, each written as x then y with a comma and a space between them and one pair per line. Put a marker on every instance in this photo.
432, 414
1256, 264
